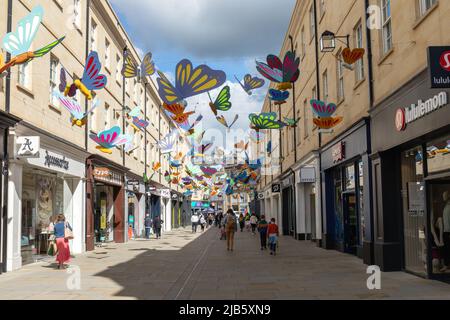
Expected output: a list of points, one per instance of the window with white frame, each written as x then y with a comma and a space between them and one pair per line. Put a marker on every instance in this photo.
118, 69
312, 23
322, 7
303, 42
54, 80
340, 77
359, 66
25, 75
425, 5
386, 20
77, 13
299, 136
107, 54
326, 94
306, 124
93, 36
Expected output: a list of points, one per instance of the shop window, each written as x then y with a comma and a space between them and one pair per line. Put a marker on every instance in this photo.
386, 33
438, 155
414, 221
350, 177
338, 209
362, 224
425, 6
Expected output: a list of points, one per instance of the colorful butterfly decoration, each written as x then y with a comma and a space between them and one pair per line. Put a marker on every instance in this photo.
265, 121
91, 80
201, 149
132, 70
223, 121
256, 136
139, 124
324, 112
291, 123
190, 128
222, 102
188, 193
351, 56
208, 171
77, 116
284, 73
109, 139
278, 97
156, 166
18, 43
167, 177
241, 145
251, 83
189, 82
168, 143
177, 113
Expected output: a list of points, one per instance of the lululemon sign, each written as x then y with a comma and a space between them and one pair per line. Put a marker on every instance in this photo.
422, 108
439, 65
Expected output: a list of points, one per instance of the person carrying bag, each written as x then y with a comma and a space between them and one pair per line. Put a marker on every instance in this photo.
63, 233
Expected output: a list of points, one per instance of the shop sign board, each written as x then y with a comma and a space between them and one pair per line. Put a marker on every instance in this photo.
133, 183
174, 196
338, 152
276, 188
439, 66
260, 196
28, 147
165, 193
405, 116
55, 161
106, 175
308, 175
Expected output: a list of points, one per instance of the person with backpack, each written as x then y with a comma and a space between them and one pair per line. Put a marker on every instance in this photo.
272, 235
230, 228
157, 224
262, 229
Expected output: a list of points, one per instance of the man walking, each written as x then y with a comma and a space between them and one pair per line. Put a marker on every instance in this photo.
148, 225
262, 228
194, 220
157, 227
230, 229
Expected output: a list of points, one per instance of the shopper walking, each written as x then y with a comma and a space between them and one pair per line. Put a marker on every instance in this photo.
63, 233
253, 223
194, 221
148, 225
241, 222
262, 229
157, 224
272, 236
230, 228
202, 222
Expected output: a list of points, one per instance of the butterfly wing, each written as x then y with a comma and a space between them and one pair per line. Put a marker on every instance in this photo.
129, 69
63, 80
176, 109
252, 83
236, 118
223, 100
141, 124
167, 92
136, 112
91, 77
43, 51
70, 105
107, 138
222, 121
191, 82
147, 66
267, 72
277, 95
321, 109
291, 64
20, 41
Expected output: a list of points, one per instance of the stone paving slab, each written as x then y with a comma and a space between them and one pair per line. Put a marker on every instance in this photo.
183, 265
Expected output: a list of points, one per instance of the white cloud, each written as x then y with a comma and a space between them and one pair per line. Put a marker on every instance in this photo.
206, 28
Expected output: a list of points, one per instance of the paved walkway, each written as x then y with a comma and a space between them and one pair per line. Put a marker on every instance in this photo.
187, 266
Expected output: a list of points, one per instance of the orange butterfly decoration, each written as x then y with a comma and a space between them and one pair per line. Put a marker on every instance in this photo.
241, 145
156, 166
351, 56
178, 111
327, 123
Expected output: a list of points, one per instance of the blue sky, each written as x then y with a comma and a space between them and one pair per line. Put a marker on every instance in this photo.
225, 34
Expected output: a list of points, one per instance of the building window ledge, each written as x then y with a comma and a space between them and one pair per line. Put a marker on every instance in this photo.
424, 16
54, 108
385, 56
25, 90
359, 83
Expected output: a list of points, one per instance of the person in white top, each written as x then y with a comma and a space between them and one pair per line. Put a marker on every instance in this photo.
253, 223
202, 222
194, 220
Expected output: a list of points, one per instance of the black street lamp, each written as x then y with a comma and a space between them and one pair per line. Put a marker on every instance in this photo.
328, 41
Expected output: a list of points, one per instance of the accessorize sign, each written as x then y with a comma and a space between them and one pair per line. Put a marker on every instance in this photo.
276, 188
28, 146
405, 116
439, 65
338, 152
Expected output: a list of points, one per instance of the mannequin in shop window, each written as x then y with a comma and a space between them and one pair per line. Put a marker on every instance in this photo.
437, 252
446, 222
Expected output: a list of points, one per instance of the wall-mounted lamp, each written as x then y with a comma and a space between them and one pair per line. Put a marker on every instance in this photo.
328, 41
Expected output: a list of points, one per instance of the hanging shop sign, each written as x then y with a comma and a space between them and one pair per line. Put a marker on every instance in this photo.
405, 116
276, 188
260, 196
439, 66
165, 193
174, 196
338, 152
55, 161
308, 175
28, 147
133, 183
106, 175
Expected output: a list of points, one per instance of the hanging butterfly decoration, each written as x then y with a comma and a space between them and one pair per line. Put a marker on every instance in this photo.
223, 121
78, 116
168, 143
156, 166
251, 83
278, 97
222, 102
291, 123
241, 146
252, 164
325, 120
208, 171
139, 124
132, 70
284, 73
177, 113
190, 128
91, 80
109, 139
167, 177
18, 43
351, 56
256, 136
265, 121
189, 82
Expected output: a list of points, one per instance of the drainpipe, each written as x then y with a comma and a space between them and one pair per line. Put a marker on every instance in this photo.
293, 105
7, 58
145, 132
124, 53
86, 129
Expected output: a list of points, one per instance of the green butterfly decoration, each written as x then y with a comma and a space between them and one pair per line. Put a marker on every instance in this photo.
266, 121
292, 123
222, 102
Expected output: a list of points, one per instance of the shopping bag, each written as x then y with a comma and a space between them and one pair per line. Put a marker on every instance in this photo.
52, 249
68, 234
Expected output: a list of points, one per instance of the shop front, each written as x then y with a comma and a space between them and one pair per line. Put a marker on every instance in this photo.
166, 209
289, 224
105, 196
346, 189
275, 204
46, 179
6, 121
135, 209
176, 210
309, 219
411, 166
